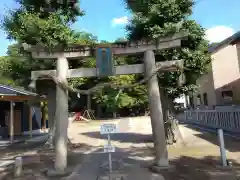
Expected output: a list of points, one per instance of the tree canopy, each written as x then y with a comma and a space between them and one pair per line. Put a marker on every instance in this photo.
159, 18
49, 23
37, 22
42, 22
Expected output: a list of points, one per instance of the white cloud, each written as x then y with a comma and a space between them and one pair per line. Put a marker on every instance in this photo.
120, 21
218, 33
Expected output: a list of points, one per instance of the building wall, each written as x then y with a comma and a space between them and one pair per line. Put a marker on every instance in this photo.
238, 53
225, 67
206, 85
223, 78
237, 82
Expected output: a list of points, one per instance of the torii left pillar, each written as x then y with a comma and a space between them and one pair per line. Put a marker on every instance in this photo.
61, 115
57, 102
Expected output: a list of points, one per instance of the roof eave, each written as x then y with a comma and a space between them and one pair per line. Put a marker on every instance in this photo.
230, 40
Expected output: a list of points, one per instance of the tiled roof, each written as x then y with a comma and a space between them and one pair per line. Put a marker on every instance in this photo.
230, 40
8, 90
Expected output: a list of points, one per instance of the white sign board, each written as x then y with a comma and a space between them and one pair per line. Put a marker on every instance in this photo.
109, 148
108, 128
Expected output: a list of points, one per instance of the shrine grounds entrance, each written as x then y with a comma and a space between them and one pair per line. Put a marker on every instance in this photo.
58, 96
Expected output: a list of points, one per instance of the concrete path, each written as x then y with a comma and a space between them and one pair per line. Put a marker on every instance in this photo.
132, 143
124, 163
96, 168
88, 170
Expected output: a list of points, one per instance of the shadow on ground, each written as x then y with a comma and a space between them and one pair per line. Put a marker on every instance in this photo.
231, 144
19, 148
185, 167
36, 164
189, 168
122, 137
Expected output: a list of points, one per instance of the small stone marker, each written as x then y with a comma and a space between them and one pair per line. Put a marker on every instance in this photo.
17, 167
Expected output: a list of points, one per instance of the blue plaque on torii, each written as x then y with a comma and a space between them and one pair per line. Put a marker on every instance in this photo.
105, 64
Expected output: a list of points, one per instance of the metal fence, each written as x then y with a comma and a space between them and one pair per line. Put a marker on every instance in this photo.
224, 119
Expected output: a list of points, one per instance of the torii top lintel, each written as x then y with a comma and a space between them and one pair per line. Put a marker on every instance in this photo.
119, 48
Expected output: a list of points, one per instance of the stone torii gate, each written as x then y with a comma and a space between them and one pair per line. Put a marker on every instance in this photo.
63, 72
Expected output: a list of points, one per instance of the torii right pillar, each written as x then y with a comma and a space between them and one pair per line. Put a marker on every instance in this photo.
161, 157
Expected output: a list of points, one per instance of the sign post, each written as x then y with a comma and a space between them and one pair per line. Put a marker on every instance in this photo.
108, 148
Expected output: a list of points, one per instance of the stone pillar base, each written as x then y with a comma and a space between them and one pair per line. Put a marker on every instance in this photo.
55, 173
112, 176
160, 169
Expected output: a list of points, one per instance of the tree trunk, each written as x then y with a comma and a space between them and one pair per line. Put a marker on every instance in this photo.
51, 97
172, 131
175, 127
89, 102
165, 110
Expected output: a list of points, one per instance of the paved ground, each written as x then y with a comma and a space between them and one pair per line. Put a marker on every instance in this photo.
97, 167
126, 141
134, 138
198, 159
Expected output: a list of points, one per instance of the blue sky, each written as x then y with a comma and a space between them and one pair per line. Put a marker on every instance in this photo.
106, 18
